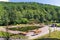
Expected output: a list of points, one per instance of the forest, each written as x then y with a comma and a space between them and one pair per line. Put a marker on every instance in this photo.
12, 13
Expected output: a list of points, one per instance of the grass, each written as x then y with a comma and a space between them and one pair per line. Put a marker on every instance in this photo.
53, 36
19, 36
24, 28
5, 34
58, 24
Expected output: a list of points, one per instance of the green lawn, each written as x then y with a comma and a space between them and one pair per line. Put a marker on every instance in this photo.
58, 24
19, 36
5, 34
53, 36
25, 28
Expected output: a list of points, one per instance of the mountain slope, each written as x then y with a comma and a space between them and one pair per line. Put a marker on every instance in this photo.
24, 12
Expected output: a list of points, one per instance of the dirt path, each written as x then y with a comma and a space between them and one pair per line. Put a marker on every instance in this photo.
10, 31
45, 30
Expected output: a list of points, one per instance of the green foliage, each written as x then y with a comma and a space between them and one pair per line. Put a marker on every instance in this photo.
57, 24
21, 13
19, 36
25, 28
24, 20
4, 34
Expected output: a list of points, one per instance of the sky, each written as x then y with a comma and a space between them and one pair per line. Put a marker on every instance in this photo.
52, 2
4, 0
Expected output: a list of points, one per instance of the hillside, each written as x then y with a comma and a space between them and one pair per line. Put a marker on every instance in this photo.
22, 13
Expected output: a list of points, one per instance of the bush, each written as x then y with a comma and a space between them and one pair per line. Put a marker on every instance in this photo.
24, 21
58, 25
